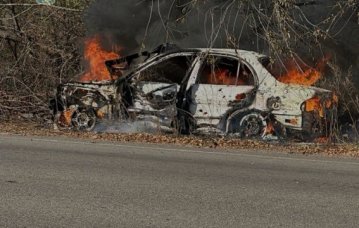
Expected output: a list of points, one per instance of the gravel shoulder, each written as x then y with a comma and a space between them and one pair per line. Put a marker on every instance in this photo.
288, 147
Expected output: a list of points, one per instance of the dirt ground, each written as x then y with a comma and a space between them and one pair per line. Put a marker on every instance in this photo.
327, 149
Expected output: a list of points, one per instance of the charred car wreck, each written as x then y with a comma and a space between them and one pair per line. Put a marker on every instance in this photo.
222, 91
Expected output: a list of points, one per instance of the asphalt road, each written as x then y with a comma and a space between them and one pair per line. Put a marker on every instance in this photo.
63, 183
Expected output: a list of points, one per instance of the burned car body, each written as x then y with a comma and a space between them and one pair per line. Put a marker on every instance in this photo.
223, 91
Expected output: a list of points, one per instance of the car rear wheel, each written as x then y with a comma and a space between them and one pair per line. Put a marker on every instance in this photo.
249, 125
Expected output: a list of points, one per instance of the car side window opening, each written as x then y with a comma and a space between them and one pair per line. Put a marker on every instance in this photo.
225, 71
171, 70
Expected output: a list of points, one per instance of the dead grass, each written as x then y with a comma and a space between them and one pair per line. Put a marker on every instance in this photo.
33, 129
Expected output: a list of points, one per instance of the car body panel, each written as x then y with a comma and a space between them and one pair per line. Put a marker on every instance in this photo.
209, 105
213, 101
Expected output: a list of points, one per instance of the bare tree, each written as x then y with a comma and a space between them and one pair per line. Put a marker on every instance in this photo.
39, 49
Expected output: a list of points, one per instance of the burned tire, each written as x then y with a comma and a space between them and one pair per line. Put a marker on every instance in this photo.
249, 125
84, 120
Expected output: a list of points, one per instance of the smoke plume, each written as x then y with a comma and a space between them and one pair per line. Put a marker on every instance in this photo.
309, 28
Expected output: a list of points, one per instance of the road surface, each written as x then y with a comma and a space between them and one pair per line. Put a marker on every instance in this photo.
47, 182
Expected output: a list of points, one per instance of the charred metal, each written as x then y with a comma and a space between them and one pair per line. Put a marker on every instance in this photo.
204, 91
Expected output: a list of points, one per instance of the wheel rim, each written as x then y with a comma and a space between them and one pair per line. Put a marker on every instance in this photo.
84, 121
252, 125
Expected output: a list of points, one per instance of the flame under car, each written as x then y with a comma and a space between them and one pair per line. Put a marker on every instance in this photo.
221, 91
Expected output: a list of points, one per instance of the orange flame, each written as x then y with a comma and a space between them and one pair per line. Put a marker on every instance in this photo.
314, 104
95, 56
65, 117
269, 129
305, 77
223, 76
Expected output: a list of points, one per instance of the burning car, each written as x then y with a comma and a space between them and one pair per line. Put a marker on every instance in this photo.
222, 91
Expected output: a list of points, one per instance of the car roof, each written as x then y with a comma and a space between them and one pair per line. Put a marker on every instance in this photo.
220, 51
237, 52
164, 50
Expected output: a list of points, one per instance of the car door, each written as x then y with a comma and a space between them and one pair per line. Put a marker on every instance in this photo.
220, 83
156, 86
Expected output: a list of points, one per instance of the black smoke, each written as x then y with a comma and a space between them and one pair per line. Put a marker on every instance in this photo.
137, 24
144, 24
